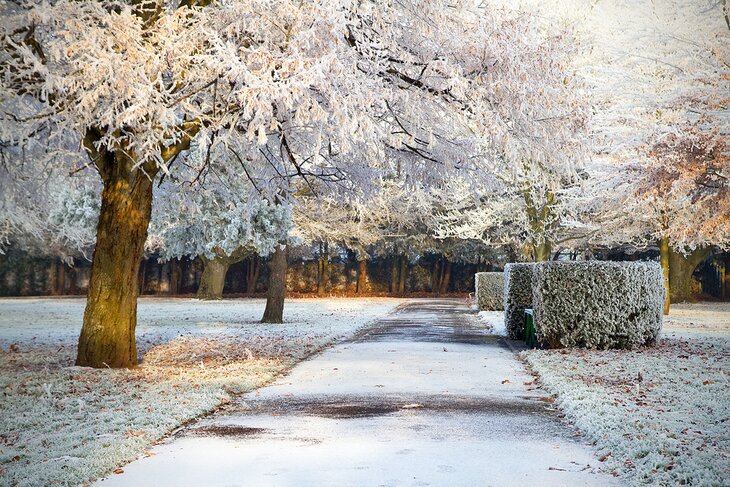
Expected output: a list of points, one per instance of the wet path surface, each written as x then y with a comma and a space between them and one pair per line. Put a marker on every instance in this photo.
425, 396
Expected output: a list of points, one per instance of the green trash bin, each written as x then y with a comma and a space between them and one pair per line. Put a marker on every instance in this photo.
530, 336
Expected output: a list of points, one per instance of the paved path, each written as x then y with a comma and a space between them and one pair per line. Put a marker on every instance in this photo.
420, 399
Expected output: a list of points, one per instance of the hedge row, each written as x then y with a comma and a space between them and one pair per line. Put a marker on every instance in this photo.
490, 290
597, 304
517, 297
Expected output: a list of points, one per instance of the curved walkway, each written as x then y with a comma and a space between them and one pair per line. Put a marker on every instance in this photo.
423, 397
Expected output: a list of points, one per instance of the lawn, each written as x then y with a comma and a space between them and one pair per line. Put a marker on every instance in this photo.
659, 415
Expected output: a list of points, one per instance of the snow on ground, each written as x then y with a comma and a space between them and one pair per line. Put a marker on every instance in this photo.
494, 320
697, 319
659, 415
67, 425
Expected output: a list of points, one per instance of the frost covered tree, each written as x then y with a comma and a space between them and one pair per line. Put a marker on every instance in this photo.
326, 89
219, 218
669, 131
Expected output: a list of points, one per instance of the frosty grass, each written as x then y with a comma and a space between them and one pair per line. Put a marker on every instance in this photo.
67, 425
659, 415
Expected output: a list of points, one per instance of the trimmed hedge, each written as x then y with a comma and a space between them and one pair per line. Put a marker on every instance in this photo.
489, 290
597, 304
517, 297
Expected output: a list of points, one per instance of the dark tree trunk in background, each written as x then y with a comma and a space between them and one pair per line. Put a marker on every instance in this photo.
252, 273
681, 269
72, 285
61, 283
445, 276
394, 274
274, 312
160, 277
326, 268
142, 277
362, 277
175, 276
52, 277
323, 276
664, 259
107, 336
213, 279
403, 271
435, 274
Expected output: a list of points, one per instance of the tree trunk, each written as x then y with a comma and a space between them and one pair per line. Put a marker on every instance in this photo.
394, 274
325, 278
61, 283
445, 277
274, 312
362, 277
542, 252
436, 274
175, 276
52, 277
73, 287
252, 276
213, 279
664, 259
160, 278
681, 269
403, 271
107, 335
324, 269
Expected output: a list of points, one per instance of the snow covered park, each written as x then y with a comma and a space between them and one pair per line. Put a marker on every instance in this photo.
409, 242
652, 416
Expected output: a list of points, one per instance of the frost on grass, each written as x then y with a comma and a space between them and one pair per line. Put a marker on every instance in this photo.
67, 425
494, 320
658, 416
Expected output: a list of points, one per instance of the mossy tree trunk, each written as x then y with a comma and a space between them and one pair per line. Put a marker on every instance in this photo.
681, 268
542, 220
107, 336
110, 318
664, 260
543, 251
213, 279
274, 312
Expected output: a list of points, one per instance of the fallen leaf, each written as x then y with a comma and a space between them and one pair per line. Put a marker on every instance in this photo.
506, 381
118, 471
604, 457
